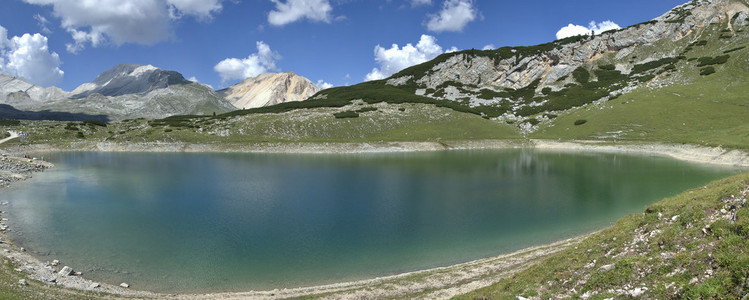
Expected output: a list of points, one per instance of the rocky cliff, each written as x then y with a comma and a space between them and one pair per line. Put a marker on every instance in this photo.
518, 67
270, 89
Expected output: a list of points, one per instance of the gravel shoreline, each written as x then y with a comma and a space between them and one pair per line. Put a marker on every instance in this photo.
432, 283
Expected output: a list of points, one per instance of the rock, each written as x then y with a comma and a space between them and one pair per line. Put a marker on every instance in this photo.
23, 282
66, 271
125, 285
93, 285
607, 268
55, 262
521, 298
674, 218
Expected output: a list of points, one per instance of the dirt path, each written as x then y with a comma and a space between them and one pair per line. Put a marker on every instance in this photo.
13, 135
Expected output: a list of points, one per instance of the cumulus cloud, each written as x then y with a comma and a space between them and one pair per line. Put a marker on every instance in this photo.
395, 59
454, 16
97, 22
593, 27
324, 85
257, 63
489, 47
28, 57
294, 10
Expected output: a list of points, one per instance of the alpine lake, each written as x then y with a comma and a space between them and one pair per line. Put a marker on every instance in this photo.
211, 222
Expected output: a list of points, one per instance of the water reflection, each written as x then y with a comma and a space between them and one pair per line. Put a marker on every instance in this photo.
219, 222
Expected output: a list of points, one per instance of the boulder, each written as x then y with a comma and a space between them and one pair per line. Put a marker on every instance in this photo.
66, 271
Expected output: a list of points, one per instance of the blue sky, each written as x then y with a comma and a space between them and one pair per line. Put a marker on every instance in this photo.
219, 42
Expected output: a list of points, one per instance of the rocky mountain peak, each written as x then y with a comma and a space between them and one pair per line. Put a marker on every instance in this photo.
269, 89
126, 79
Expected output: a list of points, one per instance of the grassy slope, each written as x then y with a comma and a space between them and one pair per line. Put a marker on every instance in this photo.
673, 257
417, 122
708, 110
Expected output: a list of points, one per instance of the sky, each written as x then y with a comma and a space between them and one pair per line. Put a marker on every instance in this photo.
66, 43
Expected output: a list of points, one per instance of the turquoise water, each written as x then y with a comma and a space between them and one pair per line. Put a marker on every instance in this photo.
231, 222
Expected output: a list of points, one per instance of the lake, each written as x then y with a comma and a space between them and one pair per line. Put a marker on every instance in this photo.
177, 222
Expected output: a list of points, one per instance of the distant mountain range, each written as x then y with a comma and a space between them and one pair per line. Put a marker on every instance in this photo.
130, 91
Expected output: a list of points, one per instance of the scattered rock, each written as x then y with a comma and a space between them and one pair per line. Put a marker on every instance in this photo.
93, 285
607, 268
23, 282
66, 271
125, 285
55, 262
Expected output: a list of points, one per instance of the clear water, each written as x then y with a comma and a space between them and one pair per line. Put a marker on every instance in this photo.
229, 222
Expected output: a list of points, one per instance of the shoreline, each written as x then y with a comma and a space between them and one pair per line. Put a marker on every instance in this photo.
684, 152
441, 282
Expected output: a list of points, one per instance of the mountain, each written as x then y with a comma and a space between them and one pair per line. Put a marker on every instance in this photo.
270, 89
693, 45
126, 91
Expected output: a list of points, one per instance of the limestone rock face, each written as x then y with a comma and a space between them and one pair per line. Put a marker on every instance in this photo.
269, 89
521, 70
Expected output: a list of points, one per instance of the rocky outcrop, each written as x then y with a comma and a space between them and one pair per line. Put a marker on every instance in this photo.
521, 69
269, 89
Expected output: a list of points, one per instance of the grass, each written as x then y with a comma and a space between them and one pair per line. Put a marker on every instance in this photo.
663, 249
378, 122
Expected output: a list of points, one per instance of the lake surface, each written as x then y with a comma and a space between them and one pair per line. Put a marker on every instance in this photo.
232, 222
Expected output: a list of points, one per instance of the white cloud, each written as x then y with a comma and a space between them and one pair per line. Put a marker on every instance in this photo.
195, 80
593, 27
199, 8
28, 57
489, 47
255, 64
294, 10
452, 49
395, 59
42, 22
421, 2
324, 85
98, 22
454, 16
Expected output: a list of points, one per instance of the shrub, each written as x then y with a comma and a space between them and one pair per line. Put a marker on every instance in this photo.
718, 60
9, 122
346, 115
401, 109
490, 94
707, 71
80, 135
581, 75
607, 67
168, 130
95, 123
734, 49
641, 68
71, 126
366, 109
580, 122
532, 121
546, 90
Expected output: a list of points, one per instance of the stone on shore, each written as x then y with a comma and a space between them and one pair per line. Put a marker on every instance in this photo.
66, 271
125, 285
